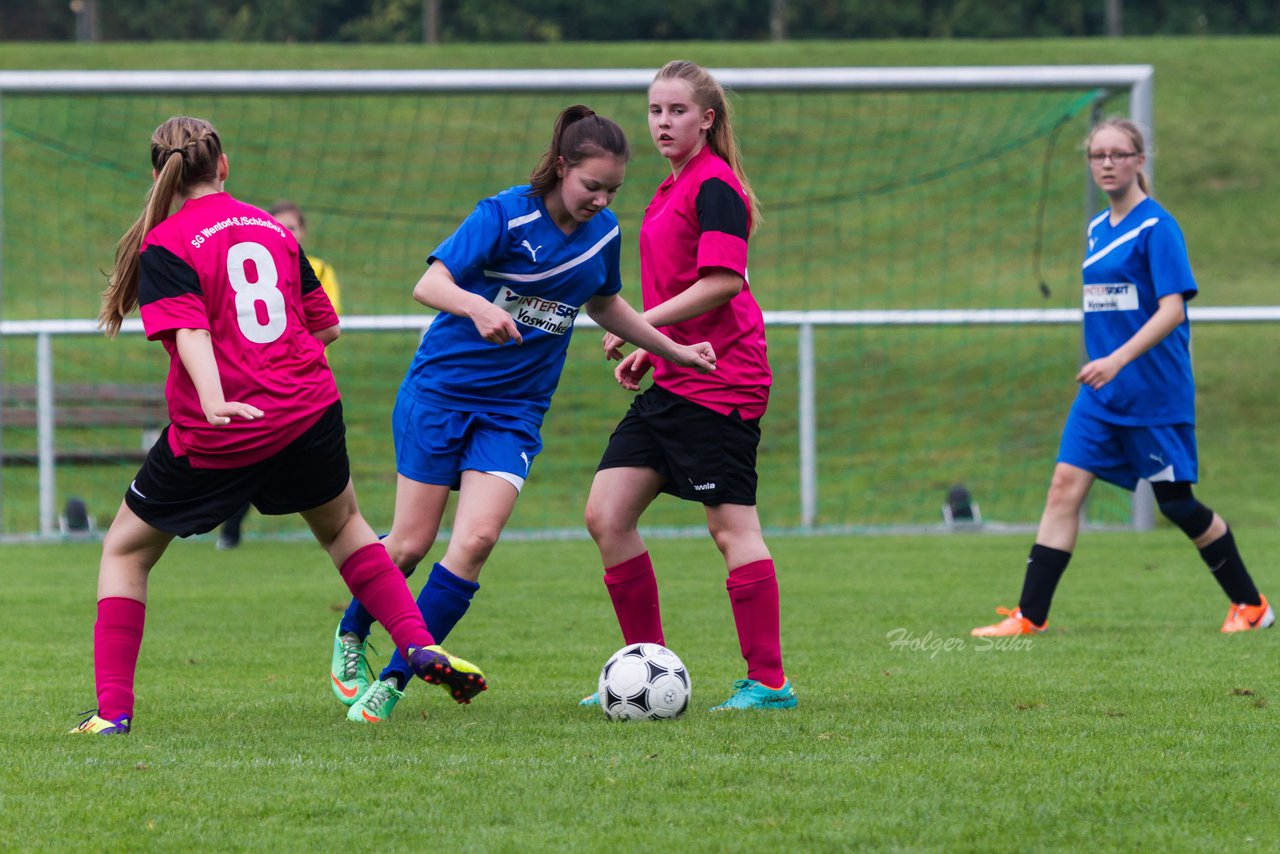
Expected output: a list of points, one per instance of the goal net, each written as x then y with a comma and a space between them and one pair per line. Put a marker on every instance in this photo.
904, 209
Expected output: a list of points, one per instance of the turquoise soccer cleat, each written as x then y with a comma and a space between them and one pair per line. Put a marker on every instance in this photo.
750, 694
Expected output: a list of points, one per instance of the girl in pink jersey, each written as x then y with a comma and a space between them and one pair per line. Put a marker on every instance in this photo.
254, 410
690, 435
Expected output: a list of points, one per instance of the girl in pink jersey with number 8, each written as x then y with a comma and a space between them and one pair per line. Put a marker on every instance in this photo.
693, 435
255, 412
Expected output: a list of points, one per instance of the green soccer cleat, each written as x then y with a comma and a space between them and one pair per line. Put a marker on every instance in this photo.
462, 679
375, 704
349, 673
95, 725
750, 694
590, 700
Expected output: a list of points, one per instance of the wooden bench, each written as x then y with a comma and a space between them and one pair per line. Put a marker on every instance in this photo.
86, 405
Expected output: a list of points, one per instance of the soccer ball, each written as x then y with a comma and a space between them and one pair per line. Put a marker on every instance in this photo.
644, 681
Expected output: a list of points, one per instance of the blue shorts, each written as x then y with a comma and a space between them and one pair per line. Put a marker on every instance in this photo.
436, 445
1123, 454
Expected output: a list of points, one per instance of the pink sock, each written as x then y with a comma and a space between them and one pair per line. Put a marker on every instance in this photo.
753, 592
117, 637
380, 587
634, 591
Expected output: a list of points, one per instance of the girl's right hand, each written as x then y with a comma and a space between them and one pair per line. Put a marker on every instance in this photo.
223, 413
495, 325
701, 357
1099, 372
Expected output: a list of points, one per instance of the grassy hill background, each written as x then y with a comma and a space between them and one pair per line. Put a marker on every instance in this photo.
1218, 125
919, 410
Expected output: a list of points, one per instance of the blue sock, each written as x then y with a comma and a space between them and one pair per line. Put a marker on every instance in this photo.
356, 620
443, 600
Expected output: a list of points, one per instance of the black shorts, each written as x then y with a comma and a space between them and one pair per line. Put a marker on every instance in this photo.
702, 455
169, 494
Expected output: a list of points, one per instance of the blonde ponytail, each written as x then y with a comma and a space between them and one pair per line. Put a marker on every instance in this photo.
709, 95
184, 152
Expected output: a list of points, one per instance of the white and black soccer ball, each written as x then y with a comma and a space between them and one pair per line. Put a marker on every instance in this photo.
644, 681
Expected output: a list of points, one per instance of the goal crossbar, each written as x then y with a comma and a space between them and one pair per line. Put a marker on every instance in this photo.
560, 79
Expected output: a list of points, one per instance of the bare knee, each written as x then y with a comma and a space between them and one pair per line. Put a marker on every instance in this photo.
723, 537
328, 533
408, 552
474, 547
603, 523
596, 520
739, 539
328, 520
1066, 491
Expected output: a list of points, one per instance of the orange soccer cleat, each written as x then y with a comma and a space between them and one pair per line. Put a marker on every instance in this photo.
1013, 624
1244, 618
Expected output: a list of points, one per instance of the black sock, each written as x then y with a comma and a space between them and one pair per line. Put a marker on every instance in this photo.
1044, 568
1223, 559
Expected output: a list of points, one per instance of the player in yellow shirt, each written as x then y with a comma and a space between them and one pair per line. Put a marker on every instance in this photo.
290, 216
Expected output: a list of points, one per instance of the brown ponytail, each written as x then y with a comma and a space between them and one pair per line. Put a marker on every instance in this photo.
579, 134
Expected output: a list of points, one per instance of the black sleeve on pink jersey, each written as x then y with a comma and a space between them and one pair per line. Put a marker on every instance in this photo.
721, 209
310, 281
161, 275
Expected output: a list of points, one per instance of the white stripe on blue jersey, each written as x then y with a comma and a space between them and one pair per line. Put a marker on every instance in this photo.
555, 271
1122, 239
521, 220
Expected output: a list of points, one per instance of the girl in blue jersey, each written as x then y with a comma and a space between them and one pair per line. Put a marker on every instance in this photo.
508, 285
1134, 416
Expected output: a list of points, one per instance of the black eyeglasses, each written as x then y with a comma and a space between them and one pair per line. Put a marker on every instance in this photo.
1116, 156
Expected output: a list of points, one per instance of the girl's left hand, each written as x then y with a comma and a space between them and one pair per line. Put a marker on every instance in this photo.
612, 347
632, 369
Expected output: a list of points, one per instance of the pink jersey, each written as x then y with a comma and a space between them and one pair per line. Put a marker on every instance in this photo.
221, 265
695, 223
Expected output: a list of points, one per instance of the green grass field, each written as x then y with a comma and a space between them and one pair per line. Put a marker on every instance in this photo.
1133, 724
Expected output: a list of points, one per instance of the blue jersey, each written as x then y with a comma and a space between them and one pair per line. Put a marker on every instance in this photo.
1127, 269
510, 252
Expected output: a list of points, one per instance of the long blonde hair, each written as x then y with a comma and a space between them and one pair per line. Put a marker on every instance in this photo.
708, 94
1130, 130
197, 148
